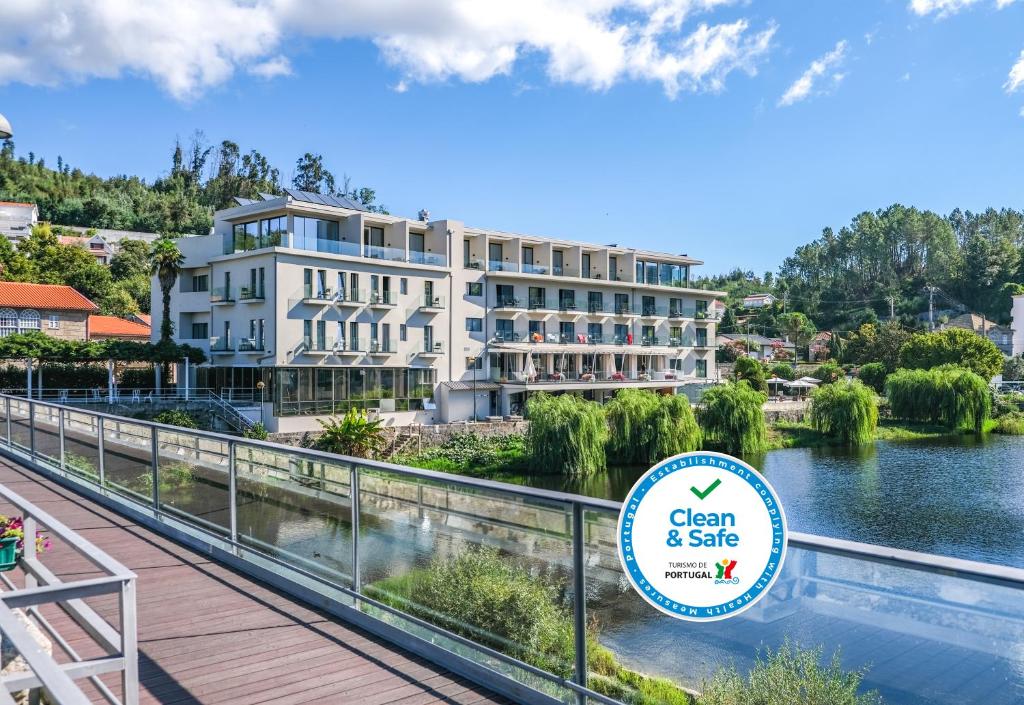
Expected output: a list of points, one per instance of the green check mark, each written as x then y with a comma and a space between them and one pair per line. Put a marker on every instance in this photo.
709, 490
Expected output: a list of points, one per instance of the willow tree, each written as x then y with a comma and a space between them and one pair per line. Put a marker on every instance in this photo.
567, 434
646, 427
731, 417
846, 411
946, 395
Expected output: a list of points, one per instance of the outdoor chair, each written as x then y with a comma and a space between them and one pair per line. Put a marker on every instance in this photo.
136, 396
62, 396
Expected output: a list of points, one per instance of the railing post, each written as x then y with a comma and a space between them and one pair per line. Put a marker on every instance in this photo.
129, 645
579, 598
154, 445
31, 429
8, 401
60, 433
353, 490
99, 450
233, 490
29, 529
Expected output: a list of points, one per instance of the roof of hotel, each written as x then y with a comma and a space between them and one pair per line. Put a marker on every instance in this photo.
56, 297
16, 203
114, 327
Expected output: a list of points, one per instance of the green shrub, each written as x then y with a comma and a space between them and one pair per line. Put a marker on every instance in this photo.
951, 396
828, 373
176, 417
751, 371
731, 416
783, 370
873, 375
953, 346
645, 427
789, 676
1013, 368
1011, 424
138, 377
471, 454
257, 432
353, 434
566, 433
847, 411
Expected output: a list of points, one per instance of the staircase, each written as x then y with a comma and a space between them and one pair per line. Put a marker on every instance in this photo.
402, 441
226, 412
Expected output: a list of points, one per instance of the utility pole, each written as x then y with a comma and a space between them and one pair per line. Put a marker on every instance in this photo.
892, 306
931, 307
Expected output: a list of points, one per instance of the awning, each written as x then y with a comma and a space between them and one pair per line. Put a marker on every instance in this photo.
481, 386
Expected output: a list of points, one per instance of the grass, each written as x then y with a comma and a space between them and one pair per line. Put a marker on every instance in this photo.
798, 434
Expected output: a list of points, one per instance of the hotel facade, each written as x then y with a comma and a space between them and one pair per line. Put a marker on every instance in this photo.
426, 321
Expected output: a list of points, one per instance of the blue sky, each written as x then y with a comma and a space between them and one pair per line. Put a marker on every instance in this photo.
911, 104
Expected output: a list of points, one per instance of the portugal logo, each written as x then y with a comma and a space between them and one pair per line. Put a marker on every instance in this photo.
682, 517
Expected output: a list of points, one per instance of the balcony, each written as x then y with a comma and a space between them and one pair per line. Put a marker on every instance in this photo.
383, 299
432, 348
221, 345
347, 346
222, 295
535, 269
350, 297
653, 311
250, 346
496, 266
318, 345
432, 259
312, 296
431, 304
510, 303
473, 264
625, 310
248, 295
390, 254
333, 247
538, 304
383, 347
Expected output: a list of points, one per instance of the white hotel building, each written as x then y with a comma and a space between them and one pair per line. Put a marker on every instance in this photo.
332, 307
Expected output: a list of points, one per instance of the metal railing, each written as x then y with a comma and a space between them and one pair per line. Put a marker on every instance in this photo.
379, 523
21, 606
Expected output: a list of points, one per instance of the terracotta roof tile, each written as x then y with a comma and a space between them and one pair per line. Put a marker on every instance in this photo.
54, 297
114, 327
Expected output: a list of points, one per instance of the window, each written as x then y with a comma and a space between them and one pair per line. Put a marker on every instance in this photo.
54, 321
403, 286
505, 296
503, 329
307, 283
200, 282
594, 332
621, 333
474, 289
622, 303
200, 331
316, 235
28, 320
403, 332
536, 297
649, 308
475, 363
475, 325
567, 331
8, 321
556, 262
702, 368
585, 268
613, 267
567, 299
595, 301
465, 253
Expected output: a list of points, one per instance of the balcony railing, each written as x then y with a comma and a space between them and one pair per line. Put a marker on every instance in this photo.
391, 254
434, 259
431, 302
221, 344
535, 269
222, 295
509, 302
473, 263
316, 344
350, 296
349, 344
249, 345
950, 626
433, 347
247, 293
496, 266
383, 298
383, 346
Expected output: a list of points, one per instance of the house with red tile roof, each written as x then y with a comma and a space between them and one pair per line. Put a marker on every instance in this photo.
54, 309
115, 328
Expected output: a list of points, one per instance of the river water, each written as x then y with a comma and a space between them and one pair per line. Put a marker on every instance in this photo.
961, 496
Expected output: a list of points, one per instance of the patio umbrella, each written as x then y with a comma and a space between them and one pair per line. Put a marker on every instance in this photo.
776, 380
811, 380
529, 371
801, 384
609, 363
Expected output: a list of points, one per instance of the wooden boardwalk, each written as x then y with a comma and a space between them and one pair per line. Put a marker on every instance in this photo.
210, 635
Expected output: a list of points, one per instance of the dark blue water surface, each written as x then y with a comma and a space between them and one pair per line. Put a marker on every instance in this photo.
960, 496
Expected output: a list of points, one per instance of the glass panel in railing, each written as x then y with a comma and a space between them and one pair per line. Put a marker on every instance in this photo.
296, 508
81, 444
917, 637
20, 428
484, 564
46, 431
127, 458
3, 421
193, 478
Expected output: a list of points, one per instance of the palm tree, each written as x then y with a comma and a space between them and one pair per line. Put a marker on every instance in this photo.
166, 265
353, 434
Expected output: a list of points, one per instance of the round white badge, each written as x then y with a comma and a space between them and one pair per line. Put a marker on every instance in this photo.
702, 536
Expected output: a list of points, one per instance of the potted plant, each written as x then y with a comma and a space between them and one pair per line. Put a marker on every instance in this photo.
12, 542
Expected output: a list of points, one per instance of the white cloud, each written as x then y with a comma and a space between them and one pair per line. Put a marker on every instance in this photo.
803, 87
272, 68
945, 8
1016, 79
188, 46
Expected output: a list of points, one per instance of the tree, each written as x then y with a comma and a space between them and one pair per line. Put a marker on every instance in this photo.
952, 396
828, 373
953, 346
797, 327
354, 434
877, 343
1013, 368
646, 427
836, 347
311, 175
118, 303
166, 261
731, 416
847, 411
131, 260
751, 371
873, 374
566, 434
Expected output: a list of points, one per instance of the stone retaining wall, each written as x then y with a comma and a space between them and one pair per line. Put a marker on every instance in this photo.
427, 435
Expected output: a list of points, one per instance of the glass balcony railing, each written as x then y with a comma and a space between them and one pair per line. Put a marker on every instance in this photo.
350, 296
496, 266
537, 304
433, 347
221, 344
391, 254
653, 310
535, 269
325, 295
921, 628
247, 293
222, 295
431, 302
349, 344
434, 259
333, 247
509, 302
568, 305
383, 345
317, 344
473, 263
383, 298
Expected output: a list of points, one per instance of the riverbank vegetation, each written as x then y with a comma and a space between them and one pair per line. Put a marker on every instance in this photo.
846, 412
523, 610
566, 432
951, 396
731, 416
645, 428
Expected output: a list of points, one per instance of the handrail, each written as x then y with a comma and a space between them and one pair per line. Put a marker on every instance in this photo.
358, 471
41, 587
